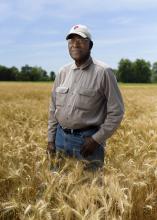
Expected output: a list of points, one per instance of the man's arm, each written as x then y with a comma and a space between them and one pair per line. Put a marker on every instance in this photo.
52, 122
115, 108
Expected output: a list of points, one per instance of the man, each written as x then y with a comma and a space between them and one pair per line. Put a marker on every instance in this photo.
86, 105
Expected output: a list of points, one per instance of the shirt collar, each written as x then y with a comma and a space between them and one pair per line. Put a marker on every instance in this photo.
83, 66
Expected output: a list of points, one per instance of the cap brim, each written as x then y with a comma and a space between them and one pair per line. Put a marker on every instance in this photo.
76, 33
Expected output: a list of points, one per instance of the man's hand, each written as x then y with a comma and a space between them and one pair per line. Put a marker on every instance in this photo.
88, 147
51, 148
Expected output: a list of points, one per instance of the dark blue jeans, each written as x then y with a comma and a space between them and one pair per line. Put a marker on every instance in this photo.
70, 145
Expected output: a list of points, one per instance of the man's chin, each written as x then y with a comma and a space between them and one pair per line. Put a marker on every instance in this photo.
77, 55
76, 58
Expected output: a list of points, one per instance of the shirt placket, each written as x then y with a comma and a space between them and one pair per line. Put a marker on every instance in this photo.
71, 100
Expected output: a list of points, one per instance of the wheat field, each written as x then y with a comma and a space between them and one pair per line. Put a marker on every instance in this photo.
125, 189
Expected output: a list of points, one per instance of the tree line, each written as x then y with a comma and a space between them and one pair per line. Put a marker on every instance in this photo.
139, 71
27, 73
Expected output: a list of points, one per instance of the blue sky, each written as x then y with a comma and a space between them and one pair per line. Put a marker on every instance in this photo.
33, 31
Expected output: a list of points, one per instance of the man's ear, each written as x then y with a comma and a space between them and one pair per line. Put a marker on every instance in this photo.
90, 45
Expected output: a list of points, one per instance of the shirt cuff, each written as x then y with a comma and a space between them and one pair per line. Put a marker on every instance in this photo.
51, 138
98, 138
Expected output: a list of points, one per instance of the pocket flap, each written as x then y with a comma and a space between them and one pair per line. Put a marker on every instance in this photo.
62, 89
87, 92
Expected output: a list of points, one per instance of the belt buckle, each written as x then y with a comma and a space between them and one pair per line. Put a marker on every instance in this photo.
72, 131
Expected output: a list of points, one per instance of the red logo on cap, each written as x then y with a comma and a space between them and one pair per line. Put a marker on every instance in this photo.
76, 27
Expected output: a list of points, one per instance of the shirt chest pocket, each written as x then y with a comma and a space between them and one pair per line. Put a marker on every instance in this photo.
86, 99
61, 94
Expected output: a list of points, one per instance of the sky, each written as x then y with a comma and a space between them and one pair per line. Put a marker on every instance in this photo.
33, 32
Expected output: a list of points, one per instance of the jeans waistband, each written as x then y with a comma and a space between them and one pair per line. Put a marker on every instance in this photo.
73, 131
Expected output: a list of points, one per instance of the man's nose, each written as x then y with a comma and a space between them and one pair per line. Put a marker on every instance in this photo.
76, 43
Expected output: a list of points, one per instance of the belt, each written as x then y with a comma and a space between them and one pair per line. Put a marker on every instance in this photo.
73, 131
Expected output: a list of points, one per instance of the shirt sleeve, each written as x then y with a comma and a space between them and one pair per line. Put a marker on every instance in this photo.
115, 107
52, 121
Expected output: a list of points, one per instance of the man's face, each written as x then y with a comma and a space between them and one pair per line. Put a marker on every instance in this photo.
79, 48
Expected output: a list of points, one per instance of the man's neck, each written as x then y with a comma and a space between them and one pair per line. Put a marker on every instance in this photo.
81, 62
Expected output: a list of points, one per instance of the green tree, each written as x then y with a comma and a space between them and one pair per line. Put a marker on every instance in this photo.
154, 72
8, 74
44, 75
35, 73
52, 76
25, 74
3, 73
14, 73
134, 72
142, 71
125, 71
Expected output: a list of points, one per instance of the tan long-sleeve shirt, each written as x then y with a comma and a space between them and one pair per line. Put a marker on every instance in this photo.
86, 96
